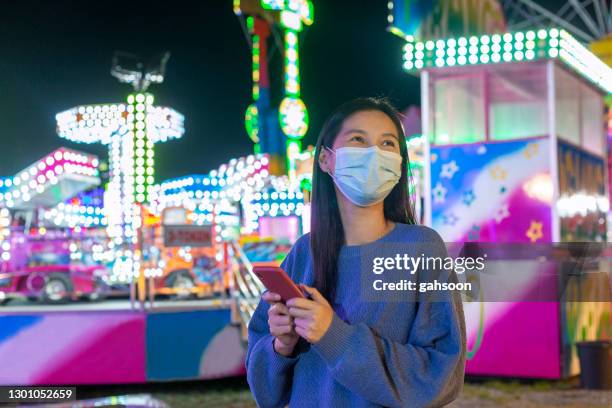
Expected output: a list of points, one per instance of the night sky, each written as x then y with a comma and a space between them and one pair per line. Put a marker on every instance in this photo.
57, 54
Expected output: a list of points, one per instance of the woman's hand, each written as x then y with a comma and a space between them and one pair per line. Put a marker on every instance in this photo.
281, 324
312, 317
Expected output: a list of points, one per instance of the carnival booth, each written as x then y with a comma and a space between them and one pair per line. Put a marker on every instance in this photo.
516, 153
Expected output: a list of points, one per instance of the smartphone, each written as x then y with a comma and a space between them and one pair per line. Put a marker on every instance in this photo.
276, 280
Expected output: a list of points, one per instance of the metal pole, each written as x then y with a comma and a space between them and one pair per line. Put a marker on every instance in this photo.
425, 111
553, 154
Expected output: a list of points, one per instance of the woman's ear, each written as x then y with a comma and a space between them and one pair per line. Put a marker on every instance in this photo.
325, 160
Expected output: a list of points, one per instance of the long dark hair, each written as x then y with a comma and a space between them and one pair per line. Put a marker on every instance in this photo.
326, 230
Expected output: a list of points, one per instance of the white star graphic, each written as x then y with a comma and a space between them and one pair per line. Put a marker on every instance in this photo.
502, 213
449, 170
439, 193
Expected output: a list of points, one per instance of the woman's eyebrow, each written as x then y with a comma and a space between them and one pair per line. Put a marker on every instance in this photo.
393, 135
363, 132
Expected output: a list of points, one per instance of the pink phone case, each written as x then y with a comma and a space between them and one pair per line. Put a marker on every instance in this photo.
276, 280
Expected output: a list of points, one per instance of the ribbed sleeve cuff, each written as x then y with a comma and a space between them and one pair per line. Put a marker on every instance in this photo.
279, 362
335, 340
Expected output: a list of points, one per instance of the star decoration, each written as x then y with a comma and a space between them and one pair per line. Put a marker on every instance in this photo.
498, 173
79, 117
535, 231
449, 219
449, 170
468, 197
439, 193
502, 213
481, 150
433, 157
474, 233
531, 150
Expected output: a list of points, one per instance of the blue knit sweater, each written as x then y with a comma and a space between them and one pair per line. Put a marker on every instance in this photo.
391, 354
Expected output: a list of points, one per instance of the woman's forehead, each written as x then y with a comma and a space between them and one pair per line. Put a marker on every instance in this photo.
369, 122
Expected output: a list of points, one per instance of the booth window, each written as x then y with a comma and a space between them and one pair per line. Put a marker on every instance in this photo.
499, 102
567, 104
517, 101
579, 112
592, 121
457, 115
510, 101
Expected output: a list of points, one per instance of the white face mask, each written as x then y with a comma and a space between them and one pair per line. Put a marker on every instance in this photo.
366, 176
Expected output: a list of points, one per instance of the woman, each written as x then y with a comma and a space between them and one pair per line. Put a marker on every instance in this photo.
335, 348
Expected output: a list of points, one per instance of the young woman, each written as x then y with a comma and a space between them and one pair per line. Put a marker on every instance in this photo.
337, 349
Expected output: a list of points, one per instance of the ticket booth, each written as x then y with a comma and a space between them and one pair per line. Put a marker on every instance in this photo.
516, 152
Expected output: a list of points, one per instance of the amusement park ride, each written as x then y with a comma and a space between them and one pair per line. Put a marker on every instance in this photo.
192, 240
65, 236
264, 123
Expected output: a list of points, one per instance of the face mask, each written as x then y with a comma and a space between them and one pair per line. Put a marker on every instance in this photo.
366, 176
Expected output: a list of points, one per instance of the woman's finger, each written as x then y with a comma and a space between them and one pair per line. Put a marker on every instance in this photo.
301, 322
298, 312
270, 297
279, 308
281, 330
302, 332
281, 320
301, 303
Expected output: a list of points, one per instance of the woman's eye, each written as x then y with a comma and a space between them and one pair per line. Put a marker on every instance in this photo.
359, 139
389, 143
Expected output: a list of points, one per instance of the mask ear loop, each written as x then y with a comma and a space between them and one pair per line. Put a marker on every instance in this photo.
329, 171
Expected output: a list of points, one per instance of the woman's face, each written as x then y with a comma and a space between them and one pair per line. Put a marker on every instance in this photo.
363, 129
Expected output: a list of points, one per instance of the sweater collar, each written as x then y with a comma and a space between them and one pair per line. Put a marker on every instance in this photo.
355, 250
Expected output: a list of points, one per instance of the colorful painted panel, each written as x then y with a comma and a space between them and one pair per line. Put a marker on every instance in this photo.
193, 344
72, 348
118, 347
583, 203
492, 192
500, 192
513, 339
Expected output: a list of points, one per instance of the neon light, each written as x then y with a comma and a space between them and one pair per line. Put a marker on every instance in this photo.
246, 180
130, 130
293, 117
141, 153
47, 172
252, 113
292, 16
100, 123
510, 47
292, 74
68, 215
252, 123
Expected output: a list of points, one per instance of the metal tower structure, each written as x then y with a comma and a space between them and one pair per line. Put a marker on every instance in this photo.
587, 20
130, 130
263, 122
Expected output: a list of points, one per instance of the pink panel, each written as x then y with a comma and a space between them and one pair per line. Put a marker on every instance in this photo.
76, 348
519, 340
